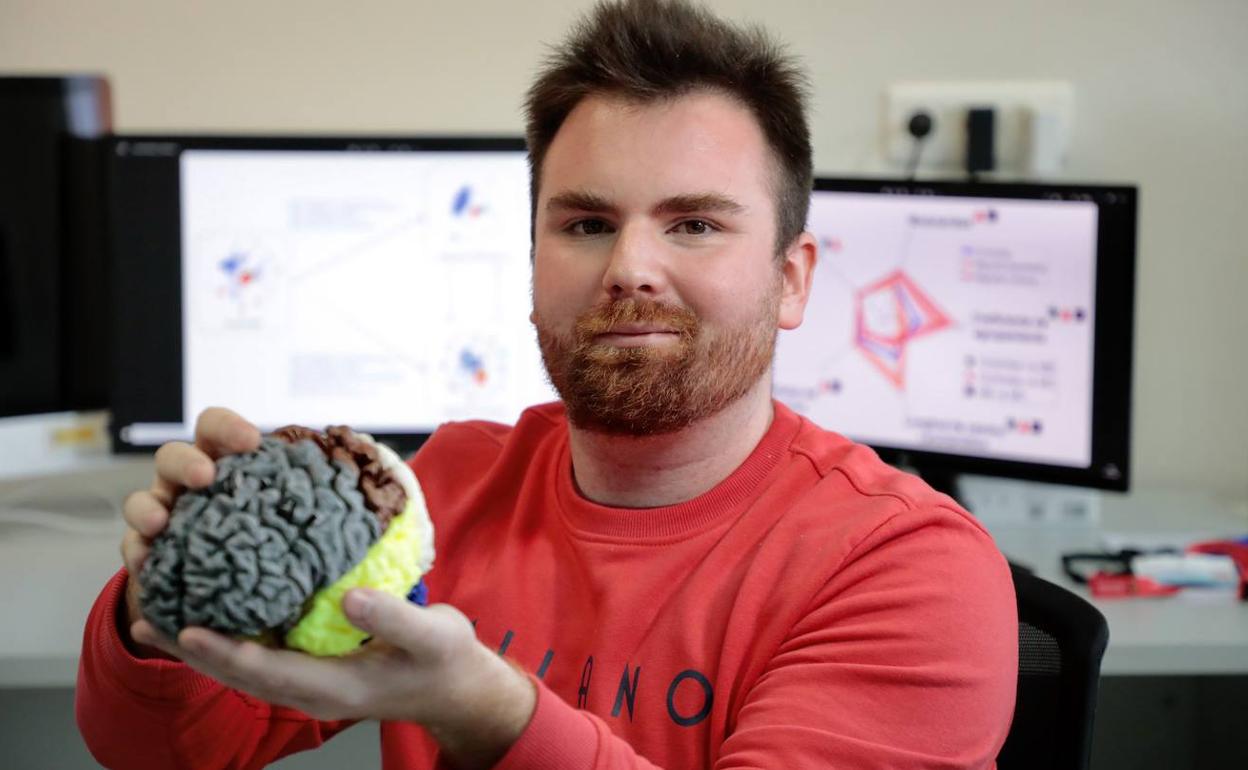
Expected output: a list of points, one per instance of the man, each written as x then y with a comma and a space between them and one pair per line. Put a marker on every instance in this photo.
678, 571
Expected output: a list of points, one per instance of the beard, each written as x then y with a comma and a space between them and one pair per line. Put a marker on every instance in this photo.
652, 390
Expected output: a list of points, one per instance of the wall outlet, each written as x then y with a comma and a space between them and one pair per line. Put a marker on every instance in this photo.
1033, 122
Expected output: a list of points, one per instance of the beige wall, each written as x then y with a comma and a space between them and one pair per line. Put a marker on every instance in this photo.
1161, 100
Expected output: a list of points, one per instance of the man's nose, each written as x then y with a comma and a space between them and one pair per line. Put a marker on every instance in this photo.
635, 266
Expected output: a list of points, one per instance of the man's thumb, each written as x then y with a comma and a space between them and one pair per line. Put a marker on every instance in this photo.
384, 616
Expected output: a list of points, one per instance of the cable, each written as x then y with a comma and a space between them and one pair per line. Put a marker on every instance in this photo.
920, 127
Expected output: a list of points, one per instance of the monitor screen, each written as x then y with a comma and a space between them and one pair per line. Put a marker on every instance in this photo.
382, 284
52, 264
974, 327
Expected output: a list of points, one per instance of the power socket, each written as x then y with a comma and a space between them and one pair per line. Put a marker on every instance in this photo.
1033, 121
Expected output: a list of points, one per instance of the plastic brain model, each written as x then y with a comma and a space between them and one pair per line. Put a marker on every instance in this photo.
270, 548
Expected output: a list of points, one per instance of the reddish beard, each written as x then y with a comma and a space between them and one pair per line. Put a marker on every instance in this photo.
651, 390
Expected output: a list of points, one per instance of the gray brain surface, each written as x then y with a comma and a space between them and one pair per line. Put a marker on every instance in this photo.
243, 555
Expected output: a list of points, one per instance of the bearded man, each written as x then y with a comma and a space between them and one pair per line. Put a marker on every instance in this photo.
666, 568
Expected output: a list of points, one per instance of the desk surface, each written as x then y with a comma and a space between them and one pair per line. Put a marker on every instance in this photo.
51, 578
1178, 635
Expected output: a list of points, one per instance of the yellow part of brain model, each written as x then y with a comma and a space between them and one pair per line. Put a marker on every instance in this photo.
392, 565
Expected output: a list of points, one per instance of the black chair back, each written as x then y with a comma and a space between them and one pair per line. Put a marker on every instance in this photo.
1061, 640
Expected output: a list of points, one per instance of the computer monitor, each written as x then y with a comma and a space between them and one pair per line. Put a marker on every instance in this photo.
53, 303
971, 327
378, 283
52, 349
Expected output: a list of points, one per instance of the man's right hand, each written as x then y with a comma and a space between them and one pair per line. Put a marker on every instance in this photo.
179, 466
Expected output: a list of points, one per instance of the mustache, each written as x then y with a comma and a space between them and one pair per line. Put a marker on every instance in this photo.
609, 315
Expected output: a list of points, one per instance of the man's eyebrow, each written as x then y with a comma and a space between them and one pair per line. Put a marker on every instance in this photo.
711, 203
578, 200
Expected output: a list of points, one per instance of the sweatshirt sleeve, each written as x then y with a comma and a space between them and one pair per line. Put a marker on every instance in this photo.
906, 659
143, 714
560, 737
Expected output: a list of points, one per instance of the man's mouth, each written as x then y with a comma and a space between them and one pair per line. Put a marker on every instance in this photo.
634, 335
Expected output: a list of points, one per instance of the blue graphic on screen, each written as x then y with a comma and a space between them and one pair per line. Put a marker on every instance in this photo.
463, 204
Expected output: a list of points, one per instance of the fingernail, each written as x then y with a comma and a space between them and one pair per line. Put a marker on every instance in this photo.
358, 603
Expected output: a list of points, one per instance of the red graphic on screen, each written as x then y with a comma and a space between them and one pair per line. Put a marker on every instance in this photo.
888, 315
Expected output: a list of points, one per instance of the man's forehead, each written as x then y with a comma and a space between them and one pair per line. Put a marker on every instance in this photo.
625, 104
600, 114
701, 144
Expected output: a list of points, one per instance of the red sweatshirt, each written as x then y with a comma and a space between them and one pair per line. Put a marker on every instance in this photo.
817, 608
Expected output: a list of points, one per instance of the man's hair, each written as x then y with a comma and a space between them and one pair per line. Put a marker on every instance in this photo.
652, 50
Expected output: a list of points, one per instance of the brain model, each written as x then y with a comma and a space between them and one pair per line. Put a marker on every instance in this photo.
270, 548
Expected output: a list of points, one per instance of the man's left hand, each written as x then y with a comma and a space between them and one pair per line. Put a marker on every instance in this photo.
423, 665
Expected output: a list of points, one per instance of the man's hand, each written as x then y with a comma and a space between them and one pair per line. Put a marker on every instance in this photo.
423, 665
179, 466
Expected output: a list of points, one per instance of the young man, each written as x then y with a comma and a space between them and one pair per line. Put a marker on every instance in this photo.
679, 571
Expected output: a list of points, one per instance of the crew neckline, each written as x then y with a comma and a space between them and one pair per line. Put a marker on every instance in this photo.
585, 517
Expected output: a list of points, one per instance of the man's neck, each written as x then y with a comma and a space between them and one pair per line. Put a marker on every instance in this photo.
651, 471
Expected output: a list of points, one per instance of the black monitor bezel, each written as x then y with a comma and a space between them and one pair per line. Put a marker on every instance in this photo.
1113, 341
126, 385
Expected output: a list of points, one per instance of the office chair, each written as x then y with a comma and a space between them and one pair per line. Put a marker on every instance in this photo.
1061, 640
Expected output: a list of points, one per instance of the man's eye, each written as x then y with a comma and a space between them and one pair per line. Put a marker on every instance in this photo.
588, 227
695, 227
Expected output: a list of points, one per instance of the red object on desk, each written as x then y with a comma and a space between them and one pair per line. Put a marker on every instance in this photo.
1236, 549
1108, 585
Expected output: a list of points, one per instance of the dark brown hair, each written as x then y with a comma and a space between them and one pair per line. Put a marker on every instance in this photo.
651, 50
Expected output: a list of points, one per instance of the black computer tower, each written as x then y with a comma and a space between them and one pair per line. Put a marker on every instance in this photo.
54, 347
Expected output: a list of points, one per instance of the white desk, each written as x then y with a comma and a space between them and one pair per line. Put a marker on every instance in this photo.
1177, 635
50, 579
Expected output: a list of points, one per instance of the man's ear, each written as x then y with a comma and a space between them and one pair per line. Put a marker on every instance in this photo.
798, 271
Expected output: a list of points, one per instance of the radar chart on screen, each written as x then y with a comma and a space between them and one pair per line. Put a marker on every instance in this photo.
948, 324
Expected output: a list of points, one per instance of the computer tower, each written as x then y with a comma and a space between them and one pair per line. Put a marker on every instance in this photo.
54, 347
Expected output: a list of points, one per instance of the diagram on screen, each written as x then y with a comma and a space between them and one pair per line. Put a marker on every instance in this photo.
955, 324
889, 315
384, 286
238, 276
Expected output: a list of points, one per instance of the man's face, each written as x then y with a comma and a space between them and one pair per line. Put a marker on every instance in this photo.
656, 290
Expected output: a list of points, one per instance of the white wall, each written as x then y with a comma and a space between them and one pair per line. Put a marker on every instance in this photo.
1160, 101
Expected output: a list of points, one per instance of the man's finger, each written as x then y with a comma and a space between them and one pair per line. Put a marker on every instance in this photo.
146, 634
145, 513
276, 676
143, 632
219, 431
134, 551
326, 686
404, 624
208, 645
179, 464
